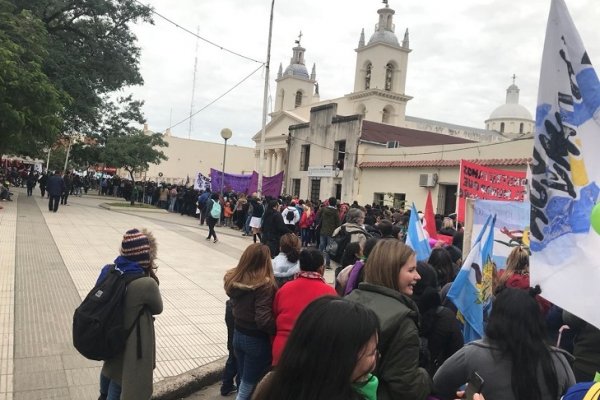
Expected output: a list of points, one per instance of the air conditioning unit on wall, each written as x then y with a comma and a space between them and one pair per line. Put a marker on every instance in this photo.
428, 180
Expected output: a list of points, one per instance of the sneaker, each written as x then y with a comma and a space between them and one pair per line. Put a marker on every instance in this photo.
226, 391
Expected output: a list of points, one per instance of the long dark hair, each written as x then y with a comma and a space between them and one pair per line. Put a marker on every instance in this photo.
441, 261
518, 329
320, 354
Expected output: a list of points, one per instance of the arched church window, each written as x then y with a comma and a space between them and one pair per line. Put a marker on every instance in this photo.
385, 115
389, 72
298, 102
368, 76
521, 126
502, 127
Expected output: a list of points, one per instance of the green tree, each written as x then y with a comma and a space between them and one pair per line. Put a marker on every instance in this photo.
134, 152
29, 102
91, 52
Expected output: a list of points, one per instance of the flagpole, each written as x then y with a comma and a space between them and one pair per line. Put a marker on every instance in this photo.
264, 115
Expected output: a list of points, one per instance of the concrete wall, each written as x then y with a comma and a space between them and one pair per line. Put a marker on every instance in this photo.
189, 156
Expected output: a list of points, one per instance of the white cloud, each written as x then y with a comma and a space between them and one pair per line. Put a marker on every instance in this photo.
464, 54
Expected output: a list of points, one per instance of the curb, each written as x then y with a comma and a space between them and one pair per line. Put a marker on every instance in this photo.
190, 382
126, 209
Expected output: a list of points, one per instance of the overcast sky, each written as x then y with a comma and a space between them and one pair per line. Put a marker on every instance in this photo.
463, 56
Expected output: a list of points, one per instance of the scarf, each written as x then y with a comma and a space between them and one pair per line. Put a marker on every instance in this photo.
310, 275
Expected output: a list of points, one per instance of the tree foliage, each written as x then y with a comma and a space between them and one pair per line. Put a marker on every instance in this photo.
29, 102
91, 51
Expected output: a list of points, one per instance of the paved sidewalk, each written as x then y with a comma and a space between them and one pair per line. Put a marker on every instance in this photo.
48, 263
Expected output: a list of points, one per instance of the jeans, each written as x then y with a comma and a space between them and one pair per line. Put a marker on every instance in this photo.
230, 373
322, 246
53, 202
211, 227
254, 359
306, 239
109, 389
247, 225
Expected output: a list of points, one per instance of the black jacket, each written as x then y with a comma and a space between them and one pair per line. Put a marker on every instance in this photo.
55, 185
273, 228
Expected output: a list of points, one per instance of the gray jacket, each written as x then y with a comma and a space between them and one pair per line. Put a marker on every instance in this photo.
483, 357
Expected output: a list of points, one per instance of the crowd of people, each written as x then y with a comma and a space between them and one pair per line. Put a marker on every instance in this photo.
384, 330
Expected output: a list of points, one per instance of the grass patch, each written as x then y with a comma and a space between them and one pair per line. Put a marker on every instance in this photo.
127, 205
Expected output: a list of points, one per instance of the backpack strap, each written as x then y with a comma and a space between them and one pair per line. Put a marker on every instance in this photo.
136, 325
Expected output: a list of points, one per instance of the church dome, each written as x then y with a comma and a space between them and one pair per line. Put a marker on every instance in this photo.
386, 37
297, 70
511, 111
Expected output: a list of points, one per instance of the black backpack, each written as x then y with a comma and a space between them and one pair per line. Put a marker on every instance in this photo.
98, 330
338, 243
290, 215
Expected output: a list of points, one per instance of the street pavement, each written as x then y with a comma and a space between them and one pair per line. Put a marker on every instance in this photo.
49, 262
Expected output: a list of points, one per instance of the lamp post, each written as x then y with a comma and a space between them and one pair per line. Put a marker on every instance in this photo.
226, 135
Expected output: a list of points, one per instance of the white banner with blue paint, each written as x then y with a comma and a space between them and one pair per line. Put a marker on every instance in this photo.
565, 169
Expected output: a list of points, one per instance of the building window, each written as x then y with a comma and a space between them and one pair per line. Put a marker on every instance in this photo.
315, 190
502, 127
304, 157
393, 145
399, 200
378, 199
296, 187
298, 101
368, 76
339, 152
521, 127
389, 72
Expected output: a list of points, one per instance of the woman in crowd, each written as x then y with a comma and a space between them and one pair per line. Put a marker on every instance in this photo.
286, 264
273, 227
251, 287
256, 221
513, 359
294, 296
321, 361
210, 220
306, 221
355, 218
129, 374
516, 275
439, 326
353, 253
390, 277
441, 261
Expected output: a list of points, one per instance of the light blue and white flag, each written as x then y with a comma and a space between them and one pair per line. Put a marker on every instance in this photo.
565, 171
415, 237
471, 291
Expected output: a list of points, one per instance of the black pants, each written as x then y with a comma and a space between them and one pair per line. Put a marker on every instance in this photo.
211, 227
29, 191
43, 190
64, 197
53, 202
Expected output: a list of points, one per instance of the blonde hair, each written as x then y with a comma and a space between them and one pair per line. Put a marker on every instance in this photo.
447, 223
385, 262
253, 269
516, 263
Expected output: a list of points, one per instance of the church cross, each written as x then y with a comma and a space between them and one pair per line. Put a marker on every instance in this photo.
513, 78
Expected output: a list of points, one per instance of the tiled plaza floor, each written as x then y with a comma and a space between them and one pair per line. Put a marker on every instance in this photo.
48, 263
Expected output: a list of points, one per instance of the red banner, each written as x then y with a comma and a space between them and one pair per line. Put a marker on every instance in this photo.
479, 182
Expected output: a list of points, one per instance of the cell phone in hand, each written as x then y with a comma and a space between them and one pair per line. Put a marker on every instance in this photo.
474, 385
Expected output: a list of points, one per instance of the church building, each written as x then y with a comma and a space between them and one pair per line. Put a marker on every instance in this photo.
364, 147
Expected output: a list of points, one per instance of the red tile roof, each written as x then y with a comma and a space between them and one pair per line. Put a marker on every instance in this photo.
444, 163
383, 133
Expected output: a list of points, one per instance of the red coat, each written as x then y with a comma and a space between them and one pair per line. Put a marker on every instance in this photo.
289, 302
521, 281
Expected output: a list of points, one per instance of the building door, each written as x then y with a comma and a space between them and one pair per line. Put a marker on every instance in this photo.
315, 190
338, 191
449, 198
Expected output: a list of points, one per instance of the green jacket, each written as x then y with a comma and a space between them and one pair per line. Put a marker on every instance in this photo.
398, 369
330, 219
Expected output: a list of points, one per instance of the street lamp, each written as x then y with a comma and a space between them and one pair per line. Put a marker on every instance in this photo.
225, 134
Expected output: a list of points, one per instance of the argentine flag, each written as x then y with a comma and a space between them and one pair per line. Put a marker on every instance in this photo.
471, 291
415, 237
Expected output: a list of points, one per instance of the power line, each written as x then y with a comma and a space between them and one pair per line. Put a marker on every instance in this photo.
153, 11
217, 99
